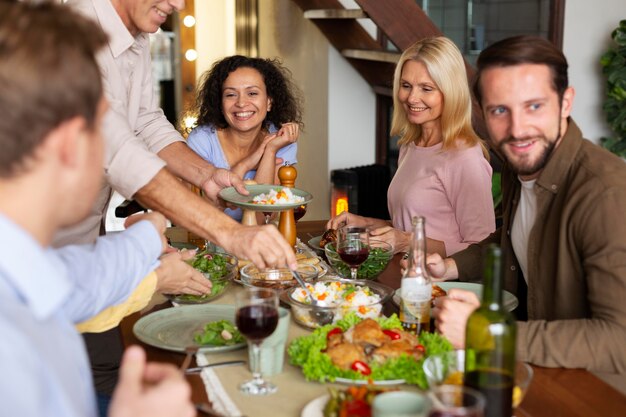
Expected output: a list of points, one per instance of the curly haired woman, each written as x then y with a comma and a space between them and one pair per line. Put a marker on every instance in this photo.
249, 118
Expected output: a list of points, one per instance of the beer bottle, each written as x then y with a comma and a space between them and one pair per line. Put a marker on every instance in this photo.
415, 286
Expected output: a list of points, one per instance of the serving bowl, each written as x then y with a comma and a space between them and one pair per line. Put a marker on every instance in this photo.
366, 303
376, 262
448, 368
275, 278
219, 268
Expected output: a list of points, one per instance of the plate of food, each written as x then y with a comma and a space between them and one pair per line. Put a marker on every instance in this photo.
264, 197
338, 402
199, 325
370, 351
441, 288
317, 243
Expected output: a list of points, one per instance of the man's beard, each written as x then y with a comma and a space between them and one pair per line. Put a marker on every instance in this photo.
523, 167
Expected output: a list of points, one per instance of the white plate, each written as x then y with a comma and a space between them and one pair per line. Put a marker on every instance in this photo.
510, 301
315, 407
368, 382
314, 243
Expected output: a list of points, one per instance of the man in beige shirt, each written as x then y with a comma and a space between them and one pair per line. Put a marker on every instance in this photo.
140, 142
143, 156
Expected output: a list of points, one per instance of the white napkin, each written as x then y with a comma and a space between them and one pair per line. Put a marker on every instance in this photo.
220, 400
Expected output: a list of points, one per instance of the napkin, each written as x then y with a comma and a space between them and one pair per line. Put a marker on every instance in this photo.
220, 400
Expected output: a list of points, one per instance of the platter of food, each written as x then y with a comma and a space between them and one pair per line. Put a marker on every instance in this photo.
375, 351
175, 329
314, 243
265, 197
352, 401
317, 243
509, 300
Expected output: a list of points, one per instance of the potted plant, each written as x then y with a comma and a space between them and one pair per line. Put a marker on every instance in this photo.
614, 68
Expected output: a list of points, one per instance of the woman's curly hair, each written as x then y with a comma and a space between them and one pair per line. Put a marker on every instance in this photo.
286, 97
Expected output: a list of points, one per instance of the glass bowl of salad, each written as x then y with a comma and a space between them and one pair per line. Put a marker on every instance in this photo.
218, 267
376, 262
336, 297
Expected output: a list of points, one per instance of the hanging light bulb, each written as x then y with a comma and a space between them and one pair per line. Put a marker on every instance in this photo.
191, 55
189, 21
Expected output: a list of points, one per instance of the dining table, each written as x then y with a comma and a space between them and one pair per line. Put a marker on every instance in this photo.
553, 392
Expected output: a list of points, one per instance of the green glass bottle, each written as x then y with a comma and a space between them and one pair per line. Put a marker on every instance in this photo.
490, 342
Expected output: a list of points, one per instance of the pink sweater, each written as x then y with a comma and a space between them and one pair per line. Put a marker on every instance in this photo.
451, 189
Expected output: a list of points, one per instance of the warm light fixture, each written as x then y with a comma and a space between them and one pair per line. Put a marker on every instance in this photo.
189, 21
341, 205
191, 54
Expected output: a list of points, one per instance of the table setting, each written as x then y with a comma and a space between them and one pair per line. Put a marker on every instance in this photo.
571, 390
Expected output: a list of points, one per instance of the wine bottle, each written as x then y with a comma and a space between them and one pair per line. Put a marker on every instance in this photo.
490, 342
415, 286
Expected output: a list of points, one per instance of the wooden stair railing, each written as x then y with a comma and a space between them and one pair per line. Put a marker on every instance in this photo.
401, 21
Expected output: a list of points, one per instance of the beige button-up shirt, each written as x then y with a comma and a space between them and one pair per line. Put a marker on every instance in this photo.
135, 128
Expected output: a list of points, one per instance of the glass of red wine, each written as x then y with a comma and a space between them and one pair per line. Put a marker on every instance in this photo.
268, 216
299, 212
256, 318
353, 247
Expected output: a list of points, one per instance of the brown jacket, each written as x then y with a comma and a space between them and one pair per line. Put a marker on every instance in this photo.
576, 261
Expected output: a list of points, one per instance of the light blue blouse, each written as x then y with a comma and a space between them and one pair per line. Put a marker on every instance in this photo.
203, 141
43, 293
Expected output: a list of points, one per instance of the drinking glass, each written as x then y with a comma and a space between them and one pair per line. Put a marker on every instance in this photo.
353, 247
256, 319
456, 401
268, 216
299, 212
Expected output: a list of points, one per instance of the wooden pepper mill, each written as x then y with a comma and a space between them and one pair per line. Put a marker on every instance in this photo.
287, 223
249, 216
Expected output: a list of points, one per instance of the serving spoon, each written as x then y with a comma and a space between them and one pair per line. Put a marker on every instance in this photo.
321, 317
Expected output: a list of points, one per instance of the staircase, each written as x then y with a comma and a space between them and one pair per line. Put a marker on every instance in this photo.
400, 22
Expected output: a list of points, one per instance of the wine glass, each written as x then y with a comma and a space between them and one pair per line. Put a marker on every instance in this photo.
299, 212
256, 319
268, 216
353, 247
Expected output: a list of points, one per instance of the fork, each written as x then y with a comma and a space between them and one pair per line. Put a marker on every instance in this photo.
190, 351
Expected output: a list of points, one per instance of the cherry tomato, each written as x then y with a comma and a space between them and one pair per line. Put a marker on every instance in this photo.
391, 334
361, 367
336, 330
421, 348
357, 408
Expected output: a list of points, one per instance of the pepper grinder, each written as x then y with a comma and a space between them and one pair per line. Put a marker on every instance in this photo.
287, 223
249, 216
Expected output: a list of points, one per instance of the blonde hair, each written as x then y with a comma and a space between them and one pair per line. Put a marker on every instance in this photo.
446, 67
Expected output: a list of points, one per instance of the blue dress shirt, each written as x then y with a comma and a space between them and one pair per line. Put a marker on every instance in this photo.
43, 293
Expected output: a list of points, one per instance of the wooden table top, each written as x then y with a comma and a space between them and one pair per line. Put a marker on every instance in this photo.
554, 392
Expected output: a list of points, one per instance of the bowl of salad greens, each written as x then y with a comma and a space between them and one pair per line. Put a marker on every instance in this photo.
218, 267
376, 262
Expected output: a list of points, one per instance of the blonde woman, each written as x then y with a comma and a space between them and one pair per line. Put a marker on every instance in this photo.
443, 172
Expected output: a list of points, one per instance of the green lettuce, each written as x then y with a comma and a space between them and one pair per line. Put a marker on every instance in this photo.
306, 352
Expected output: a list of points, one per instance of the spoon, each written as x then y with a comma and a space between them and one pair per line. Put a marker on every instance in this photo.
318, 313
